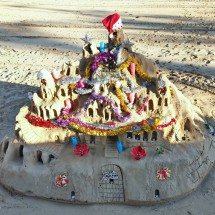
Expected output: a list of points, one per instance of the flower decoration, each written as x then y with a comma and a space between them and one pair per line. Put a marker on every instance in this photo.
81, 150
163, 174
61, 180
138, 152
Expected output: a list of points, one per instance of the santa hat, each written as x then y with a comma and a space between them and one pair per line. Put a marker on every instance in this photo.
112, 23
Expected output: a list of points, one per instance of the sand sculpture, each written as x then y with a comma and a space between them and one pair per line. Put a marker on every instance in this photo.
112, 99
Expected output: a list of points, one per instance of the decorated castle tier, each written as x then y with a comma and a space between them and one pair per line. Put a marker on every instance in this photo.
116, 99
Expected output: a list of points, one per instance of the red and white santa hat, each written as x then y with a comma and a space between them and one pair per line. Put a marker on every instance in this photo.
112, 23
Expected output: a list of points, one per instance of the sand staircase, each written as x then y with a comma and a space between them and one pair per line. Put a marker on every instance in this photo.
110, 148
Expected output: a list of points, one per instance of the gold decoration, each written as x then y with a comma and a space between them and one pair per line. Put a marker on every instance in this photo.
122, 101
87, 71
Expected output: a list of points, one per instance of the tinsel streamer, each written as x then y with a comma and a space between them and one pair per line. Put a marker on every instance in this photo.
87, 71
122, 101
143, 106
173, 120
115, 109
140, 71
73, 86
36, 121
100, 58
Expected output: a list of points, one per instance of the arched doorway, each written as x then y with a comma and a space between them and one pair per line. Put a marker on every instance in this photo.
111, 187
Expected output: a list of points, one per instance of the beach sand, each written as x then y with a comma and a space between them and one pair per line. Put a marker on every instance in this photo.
178, 35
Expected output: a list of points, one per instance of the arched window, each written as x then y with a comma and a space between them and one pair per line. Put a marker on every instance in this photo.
68, 71
157, 193
129, 135
55, 112
39, 156
21, 147
151, 105
41, 113
137, 137
159, 101
145, 136
187, 125
106, 116
92, 139
154, 136
166, 102
90, 111
63, 92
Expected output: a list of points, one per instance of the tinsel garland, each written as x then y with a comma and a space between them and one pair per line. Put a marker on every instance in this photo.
73, 86
146, 127
36, 121
167, 124
100, 58
122, 101
87, 71
143, 106
139, 70
115, 109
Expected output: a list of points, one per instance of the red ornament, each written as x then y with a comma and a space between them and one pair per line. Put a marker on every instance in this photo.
138, 152
81, 150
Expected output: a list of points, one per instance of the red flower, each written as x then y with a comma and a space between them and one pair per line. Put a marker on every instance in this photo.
81, 150
138, 152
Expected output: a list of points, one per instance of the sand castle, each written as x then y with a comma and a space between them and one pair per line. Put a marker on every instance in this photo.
109, 128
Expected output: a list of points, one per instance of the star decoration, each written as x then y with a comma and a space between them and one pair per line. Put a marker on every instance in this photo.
87, 39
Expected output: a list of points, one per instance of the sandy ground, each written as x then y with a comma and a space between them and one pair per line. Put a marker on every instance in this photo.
178, 35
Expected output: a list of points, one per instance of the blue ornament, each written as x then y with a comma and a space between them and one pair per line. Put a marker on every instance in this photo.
119, 146
74, 141
102, 47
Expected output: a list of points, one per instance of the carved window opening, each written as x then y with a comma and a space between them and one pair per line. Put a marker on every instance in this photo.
77, 71
145, 136
159, 101
112, 116
51, 157
69, 91
47, 113
137, 137
68, 71
92, 139
63, 92
41, 113
157, 193
90, 112
166, 102
187, 125
101, 88
154, 136
21, 147
151, 105
39, 156
44, 91
147, 91
129, 135
55, 112
6, 144
106, 116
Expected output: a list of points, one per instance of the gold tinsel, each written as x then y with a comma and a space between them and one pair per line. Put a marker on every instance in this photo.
87, 71
73, 86
122, 101
148, 128
100, 133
